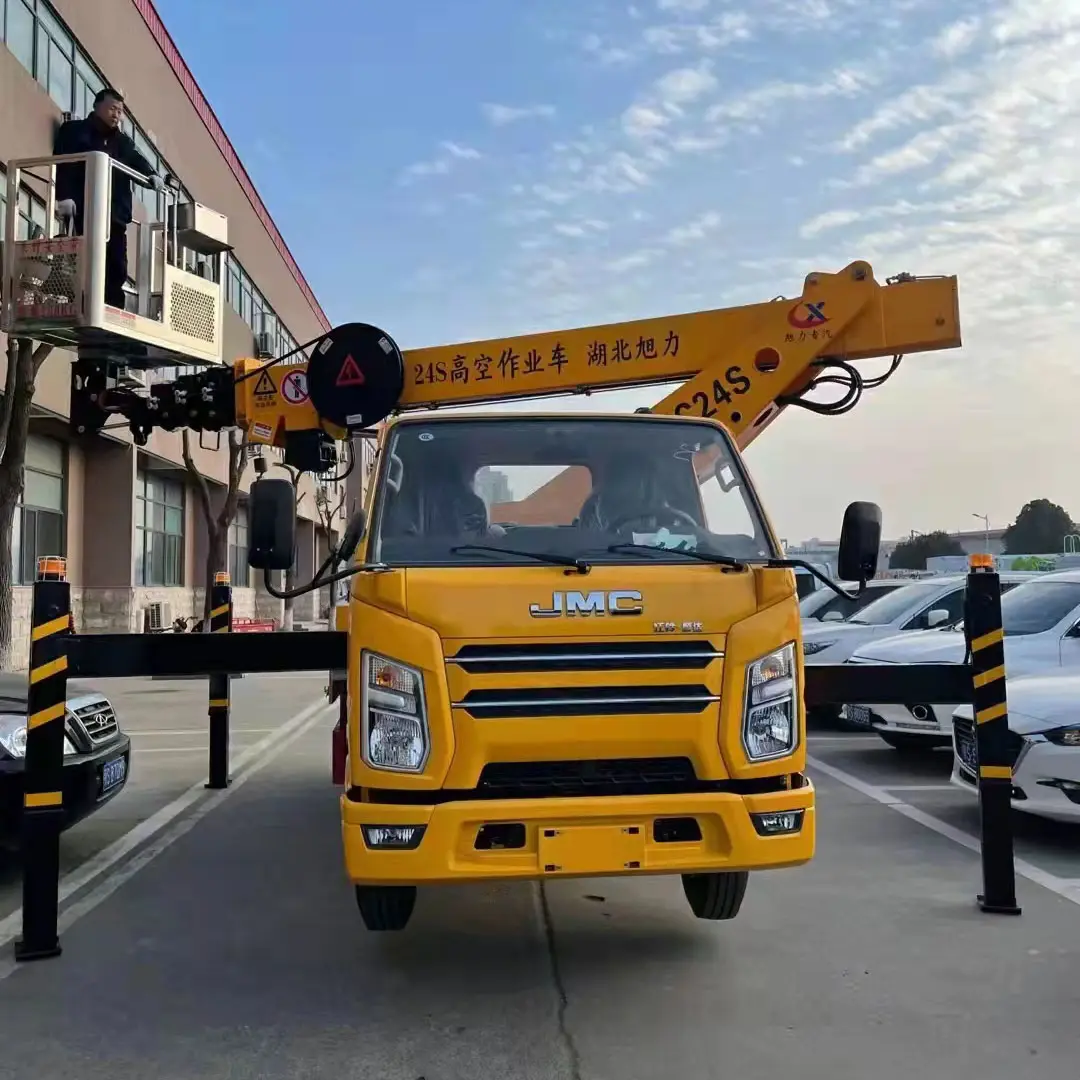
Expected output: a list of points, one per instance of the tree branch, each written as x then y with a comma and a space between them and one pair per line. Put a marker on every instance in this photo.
201, 486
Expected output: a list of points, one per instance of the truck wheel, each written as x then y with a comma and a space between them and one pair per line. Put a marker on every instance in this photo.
386, 907
911, 744
715, 896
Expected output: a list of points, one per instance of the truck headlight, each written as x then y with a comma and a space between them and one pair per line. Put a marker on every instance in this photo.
394, 730
770, 715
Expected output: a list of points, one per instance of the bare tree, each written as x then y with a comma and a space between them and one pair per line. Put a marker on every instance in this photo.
23, 364
217, 521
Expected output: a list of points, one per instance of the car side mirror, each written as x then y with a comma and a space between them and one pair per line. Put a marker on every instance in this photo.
271, 524
936, 617
832, 616
860, 542
354, 532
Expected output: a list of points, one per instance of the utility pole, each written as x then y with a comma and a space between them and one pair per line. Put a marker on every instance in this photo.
985, 519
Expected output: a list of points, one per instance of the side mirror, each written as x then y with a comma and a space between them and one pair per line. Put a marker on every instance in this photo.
860, 542
354, 532
832, 616
936, 617
271, 524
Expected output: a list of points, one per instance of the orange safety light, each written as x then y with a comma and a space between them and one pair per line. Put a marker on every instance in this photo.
52, 568
221, 578
981, 562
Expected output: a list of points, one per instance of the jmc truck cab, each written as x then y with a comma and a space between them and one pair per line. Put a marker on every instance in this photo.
601, 677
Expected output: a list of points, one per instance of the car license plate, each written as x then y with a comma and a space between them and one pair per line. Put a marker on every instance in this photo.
857, 714
112, 774
968, 754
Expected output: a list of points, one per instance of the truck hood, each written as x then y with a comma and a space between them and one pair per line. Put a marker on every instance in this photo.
1039, 702
473, 603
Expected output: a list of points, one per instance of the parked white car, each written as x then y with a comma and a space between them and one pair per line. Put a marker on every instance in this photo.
824, 606
1044, 729
1041, 620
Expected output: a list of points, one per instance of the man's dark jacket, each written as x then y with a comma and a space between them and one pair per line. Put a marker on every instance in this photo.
85, 136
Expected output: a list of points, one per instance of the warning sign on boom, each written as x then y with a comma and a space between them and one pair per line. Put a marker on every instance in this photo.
294, 388
355, 376
350, 373
264, 389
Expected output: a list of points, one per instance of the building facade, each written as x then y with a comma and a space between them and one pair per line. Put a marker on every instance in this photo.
128, 518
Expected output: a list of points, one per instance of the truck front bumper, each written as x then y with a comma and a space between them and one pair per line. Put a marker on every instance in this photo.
576, 837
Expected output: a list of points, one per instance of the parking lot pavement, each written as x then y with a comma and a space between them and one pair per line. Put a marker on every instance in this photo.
921, 781
238, 952
168, 724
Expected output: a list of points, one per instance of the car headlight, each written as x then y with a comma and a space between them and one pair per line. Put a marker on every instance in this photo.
770, 715
394, 729
811, 647
1064, 736
13, 737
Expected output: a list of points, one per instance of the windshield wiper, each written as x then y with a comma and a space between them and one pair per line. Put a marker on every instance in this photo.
579, 565
701, 556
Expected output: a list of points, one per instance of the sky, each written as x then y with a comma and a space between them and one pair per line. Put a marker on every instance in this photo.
467, 170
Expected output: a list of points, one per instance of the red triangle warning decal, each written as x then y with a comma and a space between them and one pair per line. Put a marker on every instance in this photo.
350, 373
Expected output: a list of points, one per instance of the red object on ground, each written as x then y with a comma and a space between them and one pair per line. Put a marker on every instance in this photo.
253, 626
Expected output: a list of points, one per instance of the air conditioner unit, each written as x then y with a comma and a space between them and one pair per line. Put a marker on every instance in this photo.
133, 379
157, 616
264, 345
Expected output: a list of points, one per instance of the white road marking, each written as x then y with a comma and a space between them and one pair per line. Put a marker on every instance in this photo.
251, 761
199, 731
917, 787
1063, 887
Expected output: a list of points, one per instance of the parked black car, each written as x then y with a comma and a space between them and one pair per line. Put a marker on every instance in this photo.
97, 754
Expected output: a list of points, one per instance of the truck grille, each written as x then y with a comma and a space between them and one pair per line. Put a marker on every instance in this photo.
97, 721
633, 776
585, 701
688, 654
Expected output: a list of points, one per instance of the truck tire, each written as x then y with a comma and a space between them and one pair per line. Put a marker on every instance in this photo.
386, 907
715, 896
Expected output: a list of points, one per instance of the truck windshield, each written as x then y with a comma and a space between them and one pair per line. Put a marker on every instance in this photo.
474, 491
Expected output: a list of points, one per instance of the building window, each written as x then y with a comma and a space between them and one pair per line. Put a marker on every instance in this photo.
159, 531
38, 528
239, 571
55, 68
19, 32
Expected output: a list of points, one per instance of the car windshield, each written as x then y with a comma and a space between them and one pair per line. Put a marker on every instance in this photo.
889, 608
820, 607
511, 492
1038, 606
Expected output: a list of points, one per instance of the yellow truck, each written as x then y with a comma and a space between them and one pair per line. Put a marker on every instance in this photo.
573, 639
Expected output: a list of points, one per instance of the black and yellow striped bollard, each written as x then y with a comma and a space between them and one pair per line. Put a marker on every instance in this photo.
986, 643
43, 794
220, 623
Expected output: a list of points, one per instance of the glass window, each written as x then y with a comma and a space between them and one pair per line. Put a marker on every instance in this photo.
611, 490
239, 571
951, 603
823, 601
159, 531
19, 33
38, 528
889, 608
1038, 606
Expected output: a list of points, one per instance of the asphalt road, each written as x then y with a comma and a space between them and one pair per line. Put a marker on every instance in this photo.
168, 725
233, 950
922, 782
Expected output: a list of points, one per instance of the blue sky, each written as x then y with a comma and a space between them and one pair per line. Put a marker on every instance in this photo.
470, 169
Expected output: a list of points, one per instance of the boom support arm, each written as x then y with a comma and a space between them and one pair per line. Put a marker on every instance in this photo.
742, 365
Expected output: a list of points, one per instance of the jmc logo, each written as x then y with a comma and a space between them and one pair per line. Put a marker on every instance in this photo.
617, 602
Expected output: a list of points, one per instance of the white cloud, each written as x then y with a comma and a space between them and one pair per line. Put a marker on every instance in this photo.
440, 165
736, 158
500, 115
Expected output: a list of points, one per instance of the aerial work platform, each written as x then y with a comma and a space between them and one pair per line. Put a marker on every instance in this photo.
234, 954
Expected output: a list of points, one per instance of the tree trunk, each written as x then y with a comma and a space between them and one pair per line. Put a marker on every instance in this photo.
23, 364
215, 560
289, 580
